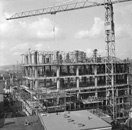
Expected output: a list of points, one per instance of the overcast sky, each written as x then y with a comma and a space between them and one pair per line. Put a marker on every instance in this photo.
80, 29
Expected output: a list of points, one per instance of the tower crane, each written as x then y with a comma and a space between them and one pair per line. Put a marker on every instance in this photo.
109, 37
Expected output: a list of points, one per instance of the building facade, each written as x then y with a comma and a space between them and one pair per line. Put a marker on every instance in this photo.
74, 81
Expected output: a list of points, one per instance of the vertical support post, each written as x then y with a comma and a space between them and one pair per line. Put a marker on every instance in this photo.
36, 69
58, 78
43, 59
31, 84
128, 75
31, 73
26, 59
44, 72
77, 81
29, 57
50, 75
26, 71
77, 76
36, 76
27, 82
110, 54
95, 78
128, 83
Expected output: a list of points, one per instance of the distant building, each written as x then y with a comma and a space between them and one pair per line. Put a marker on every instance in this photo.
1, 96
1, 103
18, 123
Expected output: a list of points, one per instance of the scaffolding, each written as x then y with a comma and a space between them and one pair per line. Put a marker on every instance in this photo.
73, 81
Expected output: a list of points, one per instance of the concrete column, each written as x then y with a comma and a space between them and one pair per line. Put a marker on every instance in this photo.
50, 70
77, 81
36, 76
95, 78
128, 91
128, 79
117, 92
49, 58
30, 58
50, 82
31, 74
43, 60
38, 58
31, 84
58, 78
78, 95
26, 81
35, 57
68, 80
44, 72
77, 77
36, 84
27, 60
26, 71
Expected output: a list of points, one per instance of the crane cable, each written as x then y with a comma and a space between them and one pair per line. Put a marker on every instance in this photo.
53, 21
54, 24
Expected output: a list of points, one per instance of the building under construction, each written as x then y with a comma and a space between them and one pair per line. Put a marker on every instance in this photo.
67, 81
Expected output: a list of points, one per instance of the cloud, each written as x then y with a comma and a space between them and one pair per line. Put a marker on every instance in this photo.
40, 46
89, 52
41, 29
2, 46
122, 31
123, 10
98, 30
101, 52
123, 18
16, 53
94, 32
20, 47
17, 36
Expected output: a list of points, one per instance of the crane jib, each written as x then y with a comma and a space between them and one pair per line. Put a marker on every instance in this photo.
61, 8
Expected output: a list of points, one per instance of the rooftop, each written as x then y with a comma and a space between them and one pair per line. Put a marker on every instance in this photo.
18, 124
75, 120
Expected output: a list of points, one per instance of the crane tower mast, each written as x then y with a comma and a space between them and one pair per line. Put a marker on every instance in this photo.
109, 38
110, 56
